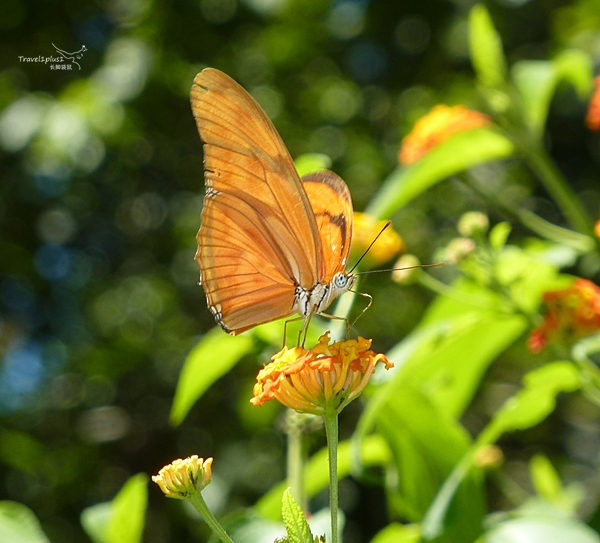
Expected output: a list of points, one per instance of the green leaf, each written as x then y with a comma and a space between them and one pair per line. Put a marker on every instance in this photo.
452, 348
215, 354
461, 305
537, 81
452, 373
539, 522
312, 162
121, 520
373, 452
18, 524
426, 445
250, 527
398, 533
298, 530
536, 400
128, 515
545, 479
462, 151
499, 234
576, 67
527, 275
94, 520
21, 451
527, 408
585, 347
486, 48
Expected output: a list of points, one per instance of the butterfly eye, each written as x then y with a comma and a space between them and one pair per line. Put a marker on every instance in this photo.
340, 280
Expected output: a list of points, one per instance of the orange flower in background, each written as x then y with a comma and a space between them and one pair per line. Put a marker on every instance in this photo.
592, 116
310, 380
441, 123
597, 229
366, 229
571, 314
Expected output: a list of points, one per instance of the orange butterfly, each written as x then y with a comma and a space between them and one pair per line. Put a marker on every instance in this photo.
271, 244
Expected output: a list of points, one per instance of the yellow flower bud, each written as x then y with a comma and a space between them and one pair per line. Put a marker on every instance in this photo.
182, 478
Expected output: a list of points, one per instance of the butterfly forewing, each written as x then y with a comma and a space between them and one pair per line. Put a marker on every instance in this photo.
259, 237
332, 205
238, 282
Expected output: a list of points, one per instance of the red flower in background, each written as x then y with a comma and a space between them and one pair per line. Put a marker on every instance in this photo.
571, 314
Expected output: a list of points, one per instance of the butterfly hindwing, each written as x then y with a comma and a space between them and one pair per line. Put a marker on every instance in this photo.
332, 205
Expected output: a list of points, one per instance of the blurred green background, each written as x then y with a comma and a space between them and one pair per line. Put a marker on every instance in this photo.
100, 198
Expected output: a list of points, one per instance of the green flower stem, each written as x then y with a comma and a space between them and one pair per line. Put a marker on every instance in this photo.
200, 505
558, 188
529, 219
438, 287
331, 429
295, 460
590, 372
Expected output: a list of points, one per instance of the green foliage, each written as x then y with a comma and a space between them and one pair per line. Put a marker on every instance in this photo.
21, 450
544, 478
536, 401
425, 446
373, 452
537, 82
19, 525
526, 409
538, 522
486, 48
122, 520
296, 526
313, 162
213, 357
460, 152
398, 533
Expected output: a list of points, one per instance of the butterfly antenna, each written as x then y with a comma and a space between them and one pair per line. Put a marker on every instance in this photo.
386, 225
437, 265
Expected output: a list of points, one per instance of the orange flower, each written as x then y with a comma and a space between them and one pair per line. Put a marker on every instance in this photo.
597, 229
441, 123
366, 229
592, 116
571, 314
311, 380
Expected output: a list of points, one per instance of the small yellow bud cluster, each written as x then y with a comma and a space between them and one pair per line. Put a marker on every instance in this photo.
182, 478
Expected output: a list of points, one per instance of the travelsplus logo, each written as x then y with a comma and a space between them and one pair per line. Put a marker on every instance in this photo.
64, 60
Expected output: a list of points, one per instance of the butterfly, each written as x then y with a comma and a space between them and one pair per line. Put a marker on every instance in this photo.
270, 244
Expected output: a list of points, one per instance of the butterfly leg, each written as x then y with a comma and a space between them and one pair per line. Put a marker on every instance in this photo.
285, 330
304, 329
335, 317
366, 308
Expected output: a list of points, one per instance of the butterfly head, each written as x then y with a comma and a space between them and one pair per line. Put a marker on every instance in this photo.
340, 283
